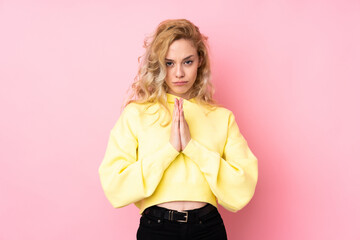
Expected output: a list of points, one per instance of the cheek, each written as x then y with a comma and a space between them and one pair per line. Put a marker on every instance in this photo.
167, 76
168, 73
194, 72
167, 81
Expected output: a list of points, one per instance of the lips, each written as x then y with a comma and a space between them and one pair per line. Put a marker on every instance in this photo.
180, 83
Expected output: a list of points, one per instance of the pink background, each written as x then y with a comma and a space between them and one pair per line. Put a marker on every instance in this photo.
288, 70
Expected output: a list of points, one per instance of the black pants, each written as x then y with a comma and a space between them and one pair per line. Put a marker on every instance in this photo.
209, 227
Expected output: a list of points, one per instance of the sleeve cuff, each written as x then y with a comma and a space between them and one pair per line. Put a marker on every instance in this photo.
171, 150
200, 154
190, 148
161, 158
168, 153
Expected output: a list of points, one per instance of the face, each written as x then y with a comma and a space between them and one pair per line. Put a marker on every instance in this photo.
182, 62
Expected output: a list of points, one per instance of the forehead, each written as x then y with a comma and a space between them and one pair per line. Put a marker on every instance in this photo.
181, 48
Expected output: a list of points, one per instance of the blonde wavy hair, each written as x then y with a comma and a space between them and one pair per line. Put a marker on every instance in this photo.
149, 86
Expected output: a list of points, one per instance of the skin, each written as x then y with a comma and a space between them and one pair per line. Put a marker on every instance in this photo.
182, 62
181, 68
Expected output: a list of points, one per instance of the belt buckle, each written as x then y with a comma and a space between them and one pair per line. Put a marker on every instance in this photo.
186, 217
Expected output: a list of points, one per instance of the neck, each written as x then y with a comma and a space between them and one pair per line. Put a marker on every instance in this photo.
184, 96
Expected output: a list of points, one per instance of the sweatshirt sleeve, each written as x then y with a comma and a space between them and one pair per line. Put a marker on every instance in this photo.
124, 177
231, 177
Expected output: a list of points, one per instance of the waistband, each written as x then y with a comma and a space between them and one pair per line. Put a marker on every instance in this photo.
179, 216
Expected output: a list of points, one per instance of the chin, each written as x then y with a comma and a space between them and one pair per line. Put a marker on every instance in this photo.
176, 91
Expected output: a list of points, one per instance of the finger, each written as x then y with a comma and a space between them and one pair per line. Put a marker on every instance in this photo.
182, 123
176, 105
179, 106
177, 112
181, 114
182, 111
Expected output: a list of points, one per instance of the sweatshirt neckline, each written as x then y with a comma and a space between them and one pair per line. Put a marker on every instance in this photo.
171, 98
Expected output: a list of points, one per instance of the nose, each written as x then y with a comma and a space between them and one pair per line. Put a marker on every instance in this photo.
179, 71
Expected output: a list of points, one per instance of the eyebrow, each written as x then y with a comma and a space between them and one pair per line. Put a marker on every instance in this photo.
183, 59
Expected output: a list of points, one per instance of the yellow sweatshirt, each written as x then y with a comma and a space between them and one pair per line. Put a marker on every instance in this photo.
141, 166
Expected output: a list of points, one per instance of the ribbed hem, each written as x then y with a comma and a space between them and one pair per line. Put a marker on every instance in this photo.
178, 192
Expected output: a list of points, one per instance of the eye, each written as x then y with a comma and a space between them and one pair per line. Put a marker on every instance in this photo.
168, 63
189, 62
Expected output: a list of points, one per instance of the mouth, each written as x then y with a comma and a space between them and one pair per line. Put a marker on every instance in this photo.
180, 83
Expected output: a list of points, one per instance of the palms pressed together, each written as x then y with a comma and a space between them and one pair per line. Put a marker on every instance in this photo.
180, 133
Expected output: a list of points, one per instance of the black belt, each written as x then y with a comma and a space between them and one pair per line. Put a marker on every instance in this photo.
174, 215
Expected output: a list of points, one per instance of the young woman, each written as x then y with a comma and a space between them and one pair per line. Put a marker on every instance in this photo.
174, 152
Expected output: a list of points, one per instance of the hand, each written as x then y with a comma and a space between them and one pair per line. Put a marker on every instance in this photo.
180, 133
184, 127
175, 139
